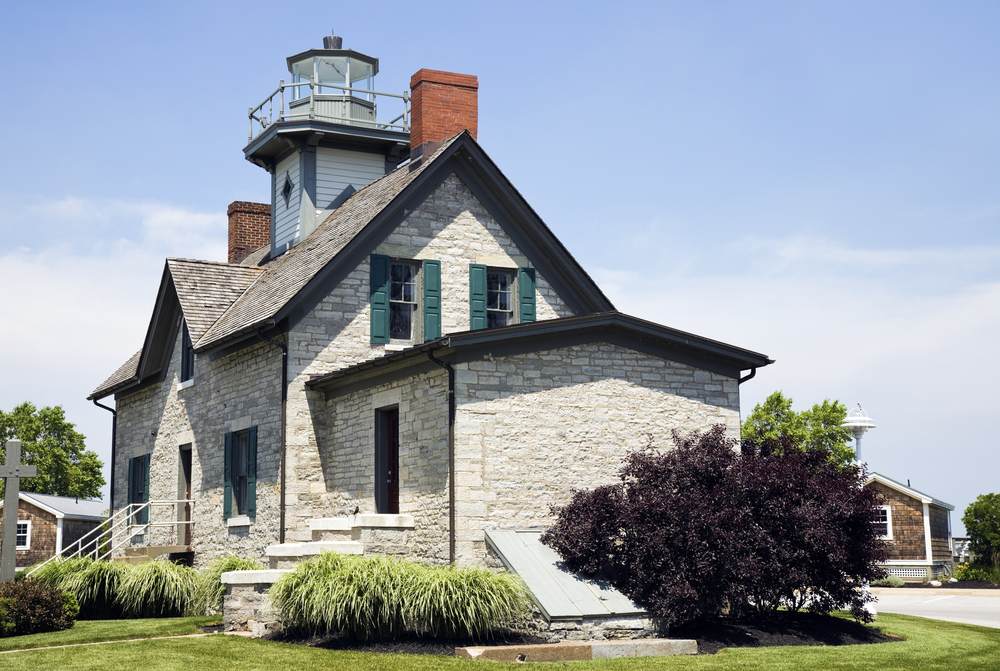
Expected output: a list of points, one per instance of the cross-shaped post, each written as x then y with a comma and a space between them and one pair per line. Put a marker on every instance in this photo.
11, 473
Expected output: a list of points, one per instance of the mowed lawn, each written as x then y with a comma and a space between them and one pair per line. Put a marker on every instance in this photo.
930, 644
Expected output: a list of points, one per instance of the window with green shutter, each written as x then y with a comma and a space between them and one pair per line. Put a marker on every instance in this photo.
239, 496
379, 299
500, 296
138, 486
431, 277
405, 300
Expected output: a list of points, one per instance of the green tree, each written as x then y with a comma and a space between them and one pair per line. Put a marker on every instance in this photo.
48, 441
813, 429
982, 523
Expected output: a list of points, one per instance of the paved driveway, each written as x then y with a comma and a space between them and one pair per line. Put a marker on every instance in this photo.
981, 610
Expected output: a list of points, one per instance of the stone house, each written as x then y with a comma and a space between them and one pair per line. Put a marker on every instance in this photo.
396, 356
47, 525
917, 529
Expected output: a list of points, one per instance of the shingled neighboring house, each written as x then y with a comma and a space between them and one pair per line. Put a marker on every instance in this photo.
916, 528
47, 524
405, 341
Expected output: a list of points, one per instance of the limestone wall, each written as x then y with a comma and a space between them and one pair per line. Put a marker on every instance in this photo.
348, 456
231, 393
532, 428
452, 226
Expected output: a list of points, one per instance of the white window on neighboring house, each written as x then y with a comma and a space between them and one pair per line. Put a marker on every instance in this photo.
23, 535
883, 520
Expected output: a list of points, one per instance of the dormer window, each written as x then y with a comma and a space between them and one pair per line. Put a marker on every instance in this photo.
187, 355
286, 190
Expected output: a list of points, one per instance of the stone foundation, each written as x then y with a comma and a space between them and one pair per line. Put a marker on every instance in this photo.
245, 607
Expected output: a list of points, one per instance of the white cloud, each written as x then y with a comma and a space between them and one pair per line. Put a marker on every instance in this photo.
76, 301
918, 353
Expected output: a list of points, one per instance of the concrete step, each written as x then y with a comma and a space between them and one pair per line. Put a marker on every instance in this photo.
352, 526
152, 551
287, 555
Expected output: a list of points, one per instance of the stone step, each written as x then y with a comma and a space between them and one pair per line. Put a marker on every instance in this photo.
287, 555
153, 551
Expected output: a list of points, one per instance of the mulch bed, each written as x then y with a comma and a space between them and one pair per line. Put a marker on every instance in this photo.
778, 630
961, 584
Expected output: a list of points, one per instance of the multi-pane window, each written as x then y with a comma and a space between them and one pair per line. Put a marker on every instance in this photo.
23, 535
402, 300
240, 472
499, 306
883, 522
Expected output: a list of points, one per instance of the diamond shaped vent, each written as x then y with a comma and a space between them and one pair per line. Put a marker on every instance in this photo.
286, 190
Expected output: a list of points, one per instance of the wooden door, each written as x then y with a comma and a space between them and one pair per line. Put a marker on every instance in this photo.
393, 462
387, 461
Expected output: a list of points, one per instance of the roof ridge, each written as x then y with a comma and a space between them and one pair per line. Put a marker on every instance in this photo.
222, 264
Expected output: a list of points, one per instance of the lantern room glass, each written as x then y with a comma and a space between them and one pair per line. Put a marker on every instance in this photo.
334, 71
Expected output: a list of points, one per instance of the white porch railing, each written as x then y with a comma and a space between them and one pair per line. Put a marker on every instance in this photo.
118, 530
350, 106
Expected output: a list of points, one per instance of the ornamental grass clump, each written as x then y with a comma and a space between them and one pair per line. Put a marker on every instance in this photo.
383, 597
211, 592
359, 597
157, 589
56, 572
465, 602
96, 586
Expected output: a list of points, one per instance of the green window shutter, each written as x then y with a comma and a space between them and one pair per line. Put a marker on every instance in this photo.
432, 299
477, 296
145, 485
131, 480
379, 299
526, 292
252, 472
227, 489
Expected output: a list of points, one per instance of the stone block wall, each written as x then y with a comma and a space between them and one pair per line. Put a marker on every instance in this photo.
347, 478
532, 428
452, 226
232, 393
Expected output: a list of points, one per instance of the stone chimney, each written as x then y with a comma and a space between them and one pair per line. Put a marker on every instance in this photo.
442, 104
249, 228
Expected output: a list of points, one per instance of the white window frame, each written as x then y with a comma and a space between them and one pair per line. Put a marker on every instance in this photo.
514, 298
417, 326
888, 522
27, 545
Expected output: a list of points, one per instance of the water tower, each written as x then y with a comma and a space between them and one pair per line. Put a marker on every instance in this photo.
324, 135
857, 422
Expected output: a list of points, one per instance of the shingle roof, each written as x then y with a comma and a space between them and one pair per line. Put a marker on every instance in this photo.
256, 257
119, 378
206, 289
67, 506
285, 275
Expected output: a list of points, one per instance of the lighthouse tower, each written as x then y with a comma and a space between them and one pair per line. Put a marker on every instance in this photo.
323, 135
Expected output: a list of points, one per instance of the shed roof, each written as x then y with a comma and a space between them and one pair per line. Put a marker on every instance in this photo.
909, 491
66, 507
558, 592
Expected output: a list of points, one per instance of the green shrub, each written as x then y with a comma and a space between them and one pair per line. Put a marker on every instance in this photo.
6, 618
96, 586
977, 572
379, 596
211, 592
461, 602
156, 589
34, 607
888, 581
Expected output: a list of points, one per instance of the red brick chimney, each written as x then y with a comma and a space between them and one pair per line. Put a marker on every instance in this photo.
249, 228
442, 104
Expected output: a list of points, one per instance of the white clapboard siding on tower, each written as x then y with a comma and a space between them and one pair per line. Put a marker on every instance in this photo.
338, 168
286, 218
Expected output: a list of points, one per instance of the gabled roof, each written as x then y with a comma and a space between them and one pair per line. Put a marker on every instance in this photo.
198, 291
611, 327
66, 506
909, 491
226, 303
297, 279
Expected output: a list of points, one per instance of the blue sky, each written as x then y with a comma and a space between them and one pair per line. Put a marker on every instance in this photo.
815, 181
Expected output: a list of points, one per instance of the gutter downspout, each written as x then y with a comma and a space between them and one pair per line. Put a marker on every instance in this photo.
284, 403
748, 376
114, 436
451, 450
